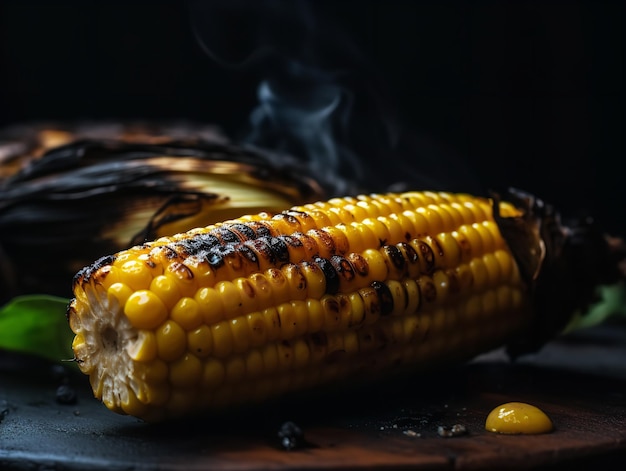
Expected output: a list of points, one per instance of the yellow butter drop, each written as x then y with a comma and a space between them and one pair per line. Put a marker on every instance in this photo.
518, 418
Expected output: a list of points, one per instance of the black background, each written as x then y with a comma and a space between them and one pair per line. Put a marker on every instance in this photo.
528, 94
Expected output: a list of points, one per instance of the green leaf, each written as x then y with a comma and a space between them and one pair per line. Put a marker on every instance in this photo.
36, 324
611, 306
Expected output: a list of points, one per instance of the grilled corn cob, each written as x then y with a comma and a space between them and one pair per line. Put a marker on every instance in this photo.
252, 308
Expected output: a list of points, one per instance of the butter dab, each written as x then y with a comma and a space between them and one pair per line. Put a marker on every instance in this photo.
518, 418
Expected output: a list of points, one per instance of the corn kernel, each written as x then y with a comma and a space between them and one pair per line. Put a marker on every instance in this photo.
145, 310
186, 371
171, 341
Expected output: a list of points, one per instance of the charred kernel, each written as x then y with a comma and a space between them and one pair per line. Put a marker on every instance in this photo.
427, 289
243, 231
279, 248
330, 275
145, 310
297, 281
395, 259
385, 297
340, 241
344, 269
427, 256
324, 242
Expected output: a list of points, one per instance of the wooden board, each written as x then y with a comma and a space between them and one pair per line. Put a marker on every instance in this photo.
580, 381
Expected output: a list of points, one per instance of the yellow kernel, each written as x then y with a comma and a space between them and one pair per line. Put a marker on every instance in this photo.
231, 298
213, 373
235, 369
359, 213
504, 297
316, 314
486, 234
153, 372
442, 285
130, 404
505, 261
315, 280
473, 307
479, 274
446, 219
296, 281
187, 314
351, 342
473, 238
270, 358
301, 353
366, 236
413, 298
353, 235
200, 342
222, 339
262, 290
136, 274
376, 266
433, 219
155, 395
341, 242
300, 316
257, 328
180, 402
379, 230
285, 353
272, 323
493, 269
119, 292
171, 341
279, 285
518, 418
166, 289
357, 310
240, 331
247, 294
145, 310
450, 248
489, 303
399, 297
254, 363
186, 371
108, 275
405, 230
144, 348
419, 222
183, 277
210, 305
